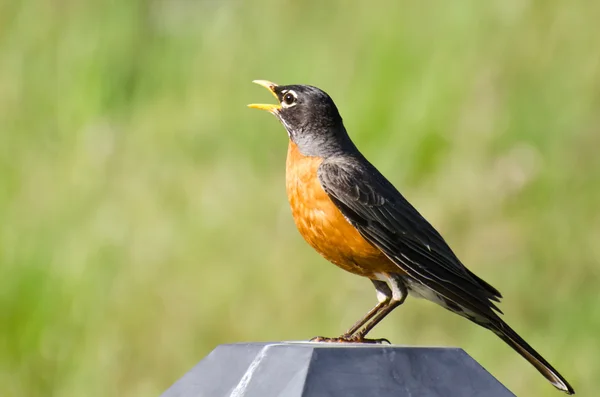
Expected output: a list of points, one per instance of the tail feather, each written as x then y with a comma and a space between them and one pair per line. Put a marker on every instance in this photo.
509, 336
495, 295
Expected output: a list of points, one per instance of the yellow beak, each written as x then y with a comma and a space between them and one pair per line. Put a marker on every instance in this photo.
271, 87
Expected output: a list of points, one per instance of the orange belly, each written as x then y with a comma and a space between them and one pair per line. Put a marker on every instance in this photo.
323, 226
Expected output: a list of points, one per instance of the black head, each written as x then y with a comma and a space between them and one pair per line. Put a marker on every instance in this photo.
310, 117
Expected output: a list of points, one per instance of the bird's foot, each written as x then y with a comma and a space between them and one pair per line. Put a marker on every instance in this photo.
324, 339
349, 339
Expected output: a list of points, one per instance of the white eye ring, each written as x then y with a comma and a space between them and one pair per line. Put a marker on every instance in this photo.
289, 98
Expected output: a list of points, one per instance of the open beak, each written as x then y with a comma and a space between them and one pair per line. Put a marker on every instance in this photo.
271, 87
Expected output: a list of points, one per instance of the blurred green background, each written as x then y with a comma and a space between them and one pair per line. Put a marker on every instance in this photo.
143, 213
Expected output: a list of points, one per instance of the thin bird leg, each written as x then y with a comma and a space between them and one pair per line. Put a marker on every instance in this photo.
377, 308
380, 316
348, 336
384, 296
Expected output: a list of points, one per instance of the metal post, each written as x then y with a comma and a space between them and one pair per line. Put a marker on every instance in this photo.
302, 369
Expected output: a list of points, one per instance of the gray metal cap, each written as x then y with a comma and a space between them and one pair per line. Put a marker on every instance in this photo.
302, 369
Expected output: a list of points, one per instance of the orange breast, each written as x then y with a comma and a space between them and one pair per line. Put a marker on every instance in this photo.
323, 226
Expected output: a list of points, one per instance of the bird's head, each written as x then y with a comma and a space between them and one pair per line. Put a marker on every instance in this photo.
310, 117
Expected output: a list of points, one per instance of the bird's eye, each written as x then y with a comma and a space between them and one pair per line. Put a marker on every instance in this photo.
289, 99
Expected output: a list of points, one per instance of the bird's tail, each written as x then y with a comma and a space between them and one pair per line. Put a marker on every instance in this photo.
509, 336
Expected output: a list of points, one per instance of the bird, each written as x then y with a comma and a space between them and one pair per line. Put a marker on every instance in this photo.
355, 218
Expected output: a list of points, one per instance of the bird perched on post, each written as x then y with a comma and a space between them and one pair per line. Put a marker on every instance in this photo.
354, 217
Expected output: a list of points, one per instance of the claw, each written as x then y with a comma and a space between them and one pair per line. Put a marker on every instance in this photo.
349, 339
379, 341
324, 339
361, 339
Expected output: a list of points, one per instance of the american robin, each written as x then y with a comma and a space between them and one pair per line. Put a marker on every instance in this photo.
354, 217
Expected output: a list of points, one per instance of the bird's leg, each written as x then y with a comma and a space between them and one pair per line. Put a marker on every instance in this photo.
360, 336
400, 293
349, 337
384, 295
378, 307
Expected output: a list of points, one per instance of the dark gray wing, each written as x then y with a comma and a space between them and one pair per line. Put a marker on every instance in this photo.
388, 221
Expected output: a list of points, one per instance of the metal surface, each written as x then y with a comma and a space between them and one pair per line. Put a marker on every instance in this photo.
301, 369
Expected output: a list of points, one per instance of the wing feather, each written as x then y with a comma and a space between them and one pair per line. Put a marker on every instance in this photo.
387, 220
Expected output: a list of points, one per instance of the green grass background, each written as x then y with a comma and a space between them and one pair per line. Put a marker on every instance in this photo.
143, 217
